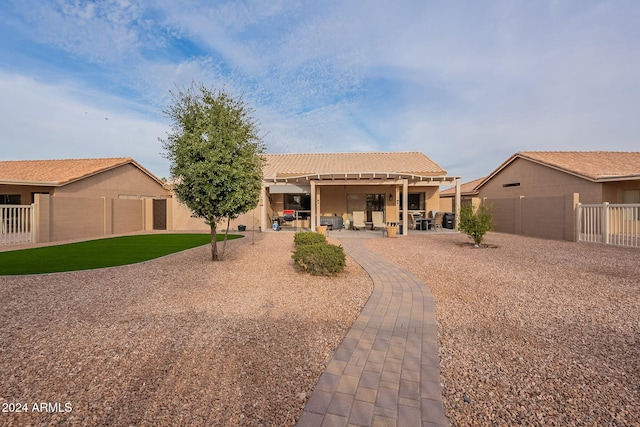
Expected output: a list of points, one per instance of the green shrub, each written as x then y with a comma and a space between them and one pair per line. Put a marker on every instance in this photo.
320, 259
308, 238
475, 224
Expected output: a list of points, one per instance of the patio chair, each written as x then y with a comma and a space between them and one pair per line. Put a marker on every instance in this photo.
437, 222
377, 217
417, 221
358, 220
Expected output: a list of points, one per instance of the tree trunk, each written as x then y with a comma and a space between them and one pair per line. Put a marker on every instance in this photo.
214, 245
224, 243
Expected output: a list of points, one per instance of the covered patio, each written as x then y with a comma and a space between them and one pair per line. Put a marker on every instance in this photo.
328, 188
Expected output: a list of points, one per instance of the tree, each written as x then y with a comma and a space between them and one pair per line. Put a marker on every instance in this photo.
475, 223
216, 155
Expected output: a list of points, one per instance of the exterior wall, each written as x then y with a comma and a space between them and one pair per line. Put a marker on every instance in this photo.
126, 180
612, 191
69, 218
539, 181
127, 216
543, 217
447, 204
24, 191
182, 219
75, 218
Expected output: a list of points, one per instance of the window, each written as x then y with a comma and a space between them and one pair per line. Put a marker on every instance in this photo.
365, 202
415, 201
512, 184
297, 202
630, 196
9, 199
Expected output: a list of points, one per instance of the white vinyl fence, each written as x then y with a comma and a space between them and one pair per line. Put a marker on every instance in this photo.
610, 224
16, 224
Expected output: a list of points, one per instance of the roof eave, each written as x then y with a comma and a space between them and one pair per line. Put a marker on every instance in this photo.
31, 183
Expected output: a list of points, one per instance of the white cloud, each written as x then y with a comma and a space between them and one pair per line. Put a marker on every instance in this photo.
41, 121
468, 83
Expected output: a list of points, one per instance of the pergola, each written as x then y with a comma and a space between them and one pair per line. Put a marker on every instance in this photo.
283, 183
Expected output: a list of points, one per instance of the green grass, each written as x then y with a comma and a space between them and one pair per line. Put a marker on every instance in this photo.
99, 253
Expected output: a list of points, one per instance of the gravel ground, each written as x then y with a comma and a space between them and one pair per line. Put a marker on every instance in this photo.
532, 332
175, 341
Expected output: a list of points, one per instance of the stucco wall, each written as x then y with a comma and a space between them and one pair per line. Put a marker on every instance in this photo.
75, 218
126, 181
539, 181
127, 216
24, 191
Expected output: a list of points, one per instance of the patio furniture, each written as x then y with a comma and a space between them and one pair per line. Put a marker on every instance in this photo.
333, 222
426, 223
358, 220
412, 223
377, 217
418, 224
437, 221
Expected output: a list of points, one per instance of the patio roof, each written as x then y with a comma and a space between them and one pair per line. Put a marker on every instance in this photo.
298, 168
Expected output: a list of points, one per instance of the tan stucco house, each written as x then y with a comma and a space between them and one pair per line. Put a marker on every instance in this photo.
329, 187
78, 198
535, 193
83, 198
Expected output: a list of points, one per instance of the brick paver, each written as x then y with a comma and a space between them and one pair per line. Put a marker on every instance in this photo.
386, 370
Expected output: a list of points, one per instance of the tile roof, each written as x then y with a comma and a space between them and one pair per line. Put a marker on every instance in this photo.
59, 172
596, 166
290, 165
593, 165
466, 188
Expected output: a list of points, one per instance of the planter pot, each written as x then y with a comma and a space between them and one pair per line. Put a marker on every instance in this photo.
322, 229
392, 231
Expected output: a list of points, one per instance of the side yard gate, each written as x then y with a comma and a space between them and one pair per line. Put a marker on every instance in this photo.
611, 224
16, 224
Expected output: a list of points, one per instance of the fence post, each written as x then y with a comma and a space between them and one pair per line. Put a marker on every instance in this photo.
578, 222
32, 222
605, 223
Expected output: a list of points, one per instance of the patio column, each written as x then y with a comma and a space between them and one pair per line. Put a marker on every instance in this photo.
405, 207
458, 201
314, 206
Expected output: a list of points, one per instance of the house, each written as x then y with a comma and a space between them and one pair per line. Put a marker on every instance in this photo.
327, 188
82, 198
468, 193
535, 193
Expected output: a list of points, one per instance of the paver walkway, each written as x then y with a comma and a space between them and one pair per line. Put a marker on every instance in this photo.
386, 370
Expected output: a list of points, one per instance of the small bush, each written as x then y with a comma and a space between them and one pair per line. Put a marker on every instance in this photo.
475, 224
308, 238
320, 259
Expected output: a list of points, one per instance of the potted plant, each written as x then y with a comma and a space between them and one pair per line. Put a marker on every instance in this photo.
392, 229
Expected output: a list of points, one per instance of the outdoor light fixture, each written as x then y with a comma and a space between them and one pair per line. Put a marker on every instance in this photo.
390, 197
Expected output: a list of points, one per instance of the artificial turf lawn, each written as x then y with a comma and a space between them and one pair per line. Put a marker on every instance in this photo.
99, 253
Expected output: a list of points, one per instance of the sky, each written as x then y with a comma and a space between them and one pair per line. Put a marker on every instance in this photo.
468, 83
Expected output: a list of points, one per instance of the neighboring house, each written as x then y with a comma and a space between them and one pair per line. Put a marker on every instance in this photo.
329, 187
535, 193
78, 198
468, 193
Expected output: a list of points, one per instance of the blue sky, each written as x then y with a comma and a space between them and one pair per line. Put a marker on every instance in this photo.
468, 83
